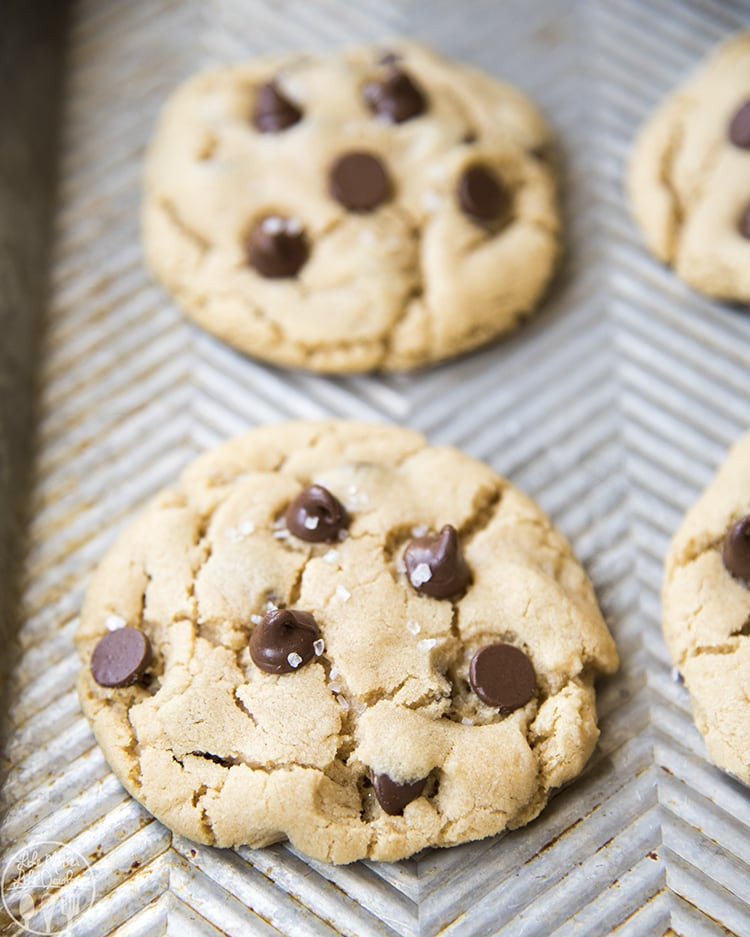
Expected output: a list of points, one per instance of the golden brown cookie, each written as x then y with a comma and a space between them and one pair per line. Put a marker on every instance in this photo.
706, 611
689, 176
353, 210
336, 633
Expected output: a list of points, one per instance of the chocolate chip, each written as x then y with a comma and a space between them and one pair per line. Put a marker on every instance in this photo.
502, 676
395, 97
121, 657
436, 566
736, 549
359, 182
392, 796
284, 640
277, 247
273, 111
744, 223
316, 515
481, 194
739, 128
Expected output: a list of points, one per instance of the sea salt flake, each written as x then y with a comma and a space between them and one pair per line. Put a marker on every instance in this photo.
343, 593
421, 574
114, 622
331, 556
312, 522
294, 659
431, 200
319, 646
413, 627
272, 225
426, 644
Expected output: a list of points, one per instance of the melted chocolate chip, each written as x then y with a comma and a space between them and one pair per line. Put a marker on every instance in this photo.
392, 796
395, 97
316, 515
502, 676
277, 247
121, 657
273, 111
359, 182
481, 194
436, 566
739, 128
736, 549
284, 640
744, 223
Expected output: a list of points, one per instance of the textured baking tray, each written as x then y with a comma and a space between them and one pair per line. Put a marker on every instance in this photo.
612, 407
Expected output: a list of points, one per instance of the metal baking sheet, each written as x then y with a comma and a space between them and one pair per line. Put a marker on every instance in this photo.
612, 407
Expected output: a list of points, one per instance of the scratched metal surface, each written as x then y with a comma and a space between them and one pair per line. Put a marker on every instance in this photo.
612, 408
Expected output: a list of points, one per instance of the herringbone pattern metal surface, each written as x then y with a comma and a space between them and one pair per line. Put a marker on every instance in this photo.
612, 407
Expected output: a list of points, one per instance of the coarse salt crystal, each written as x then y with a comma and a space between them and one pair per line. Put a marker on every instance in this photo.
256, 619
426, 644
271, 606
312, 522
293, 226
466, 722
114, 622
431, 199
334, 672
281, 534
419, 530
420, 574
319, 646
331, 556
413, 627
272, 225
343, 702
246, 528
343, 593
294, 659
279, 522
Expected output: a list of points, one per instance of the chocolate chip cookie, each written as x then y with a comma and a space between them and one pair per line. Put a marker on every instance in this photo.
336, 633
706, 611
358, 210
689, 176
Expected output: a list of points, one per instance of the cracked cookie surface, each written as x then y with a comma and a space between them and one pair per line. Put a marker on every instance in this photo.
706, 611
352, 211
372, 737
689, 176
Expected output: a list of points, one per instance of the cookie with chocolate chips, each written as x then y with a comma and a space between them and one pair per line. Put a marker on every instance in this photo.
336, 633
366, 209
706, 611
689, 176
